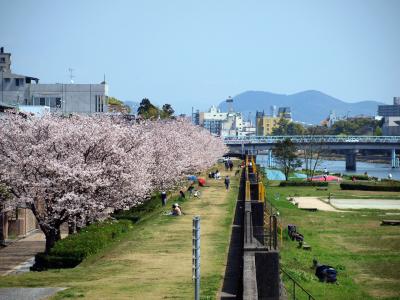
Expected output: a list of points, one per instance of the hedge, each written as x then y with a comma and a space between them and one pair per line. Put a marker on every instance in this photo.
69, 252
303, 183
371, 186
356, 176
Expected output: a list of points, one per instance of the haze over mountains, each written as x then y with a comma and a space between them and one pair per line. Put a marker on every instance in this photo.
308, 106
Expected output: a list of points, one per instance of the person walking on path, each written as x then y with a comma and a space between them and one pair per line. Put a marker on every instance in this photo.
163, 198
227, 182
230, 165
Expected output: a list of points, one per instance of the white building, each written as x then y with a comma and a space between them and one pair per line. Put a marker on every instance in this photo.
20, 90
224, 123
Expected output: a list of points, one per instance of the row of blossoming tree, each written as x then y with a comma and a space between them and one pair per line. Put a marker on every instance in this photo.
75, 169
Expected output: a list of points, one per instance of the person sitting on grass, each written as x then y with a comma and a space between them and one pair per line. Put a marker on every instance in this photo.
181, 194
176, 210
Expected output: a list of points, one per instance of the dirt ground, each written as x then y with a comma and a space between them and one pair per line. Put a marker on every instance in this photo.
311, 203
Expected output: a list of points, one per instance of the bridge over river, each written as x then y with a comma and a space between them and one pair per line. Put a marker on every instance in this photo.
351, 144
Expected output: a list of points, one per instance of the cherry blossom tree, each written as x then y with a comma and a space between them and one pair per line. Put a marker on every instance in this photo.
75, 169
72, 168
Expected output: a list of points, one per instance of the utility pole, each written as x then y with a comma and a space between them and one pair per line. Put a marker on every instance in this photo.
196, 257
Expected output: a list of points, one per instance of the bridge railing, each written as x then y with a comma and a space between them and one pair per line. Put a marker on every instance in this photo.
313, 139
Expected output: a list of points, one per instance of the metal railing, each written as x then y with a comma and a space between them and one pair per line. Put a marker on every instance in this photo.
316, 139
295, 291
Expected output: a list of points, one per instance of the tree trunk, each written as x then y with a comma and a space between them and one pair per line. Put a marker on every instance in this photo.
72, 226
52, 236
2, 235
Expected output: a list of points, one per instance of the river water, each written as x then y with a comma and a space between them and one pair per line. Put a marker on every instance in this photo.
339, 166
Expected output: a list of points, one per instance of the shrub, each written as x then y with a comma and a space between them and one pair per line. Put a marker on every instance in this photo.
390, 180
371, 186
69, 252
303, 183
358, 177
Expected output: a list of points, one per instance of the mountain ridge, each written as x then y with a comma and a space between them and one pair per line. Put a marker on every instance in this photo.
309, 106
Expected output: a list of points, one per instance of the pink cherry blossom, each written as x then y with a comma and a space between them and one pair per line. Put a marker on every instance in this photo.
77, 169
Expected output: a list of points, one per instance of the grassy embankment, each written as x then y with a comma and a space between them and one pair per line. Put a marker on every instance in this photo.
154, 260
365, 254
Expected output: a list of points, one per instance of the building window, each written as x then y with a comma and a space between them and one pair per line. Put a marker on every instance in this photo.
7, 80
58, 102
2, 59
17, 81
99, 103
42, 101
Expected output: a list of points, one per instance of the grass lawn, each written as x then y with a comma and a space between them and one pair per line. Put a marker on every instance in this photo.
154, 261
366, 255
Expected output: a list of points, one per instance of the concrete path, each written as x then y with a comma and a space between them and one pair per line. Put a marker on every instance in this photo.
27, 293
312, 203
366, 203
19, 253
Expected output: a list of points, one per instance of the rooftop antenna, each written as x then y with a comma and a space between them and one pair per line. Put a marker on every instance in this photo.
229, 101
104, 79
71, 75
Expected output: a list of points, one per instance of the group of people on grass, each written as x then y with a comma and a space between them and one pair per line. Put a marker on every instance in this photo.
228, 165
176, 209
214, 175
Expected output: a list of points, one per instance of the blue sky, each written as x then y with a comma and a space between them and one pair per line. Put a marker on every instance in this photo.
197, 53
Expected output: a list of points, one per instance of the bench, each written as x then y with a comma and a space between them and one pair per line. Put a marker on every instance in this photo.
304, 246
322, 188
309, 208
390, 222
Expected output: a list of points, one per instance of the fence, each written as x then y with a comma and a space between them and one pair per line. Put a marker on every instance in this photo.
293, 289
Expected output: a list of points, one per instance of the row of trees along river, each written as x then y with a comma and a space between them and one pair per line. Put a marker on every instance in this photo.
77, 169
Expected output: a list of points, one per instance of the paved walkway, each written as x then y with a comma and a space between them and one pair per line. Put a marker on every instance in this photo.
366, 203
27, 293
15, 255
312, 203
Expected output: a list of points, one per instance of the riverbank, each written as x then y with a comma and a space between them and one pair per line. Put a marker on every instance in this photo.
155, 259
364, 253
378, 159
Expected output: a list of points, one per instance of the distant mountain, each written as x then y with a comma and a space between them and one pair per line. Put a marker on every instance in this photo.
308, 106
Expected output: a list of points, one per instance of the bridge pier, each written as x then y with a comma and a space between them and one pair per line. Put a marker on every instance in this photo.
395, 160
269, 158
351, 161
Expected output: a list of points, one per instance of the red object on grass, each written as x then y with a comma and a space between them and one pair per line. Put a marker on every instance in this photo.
202, 181
326, 178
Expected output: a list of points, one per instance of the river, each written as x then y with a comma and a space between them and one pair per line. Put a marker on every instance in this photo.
339, 166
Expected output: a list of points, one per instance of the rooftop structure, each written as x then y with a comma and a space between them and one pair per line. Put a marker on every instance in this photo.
21, 90
390, 110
